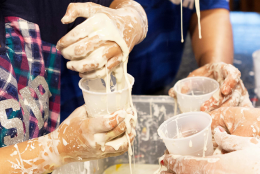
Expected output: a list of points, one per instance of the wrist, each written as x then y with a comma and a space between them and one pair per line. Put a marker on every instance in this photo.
140, 14
52, 147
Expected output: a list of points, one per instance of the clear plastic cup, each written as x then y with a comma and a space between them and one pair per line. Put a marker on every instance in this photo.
192, 92
256, 60
98, 102
195, 134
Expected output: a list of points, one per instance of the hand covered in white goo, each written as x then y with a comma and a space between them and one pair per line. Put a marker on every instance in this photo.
232, 91
81, 138
243, 157
104, 39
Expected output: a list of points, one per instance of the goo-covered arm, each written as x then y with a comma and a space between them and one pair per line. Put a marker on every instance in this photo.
78, 138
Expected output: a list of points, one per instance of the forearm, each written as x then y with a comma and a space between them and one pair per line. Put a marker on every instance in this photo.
33, 156
216, 44
139, 12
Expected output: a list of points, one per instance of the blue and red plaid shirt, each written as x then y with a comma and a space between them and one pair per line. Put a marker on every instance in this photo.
29, 83
30, 66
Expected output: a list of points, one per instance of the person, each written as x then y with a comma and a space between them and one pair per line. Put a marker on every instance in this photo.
31, 139
154, 62
77, 48
236, 134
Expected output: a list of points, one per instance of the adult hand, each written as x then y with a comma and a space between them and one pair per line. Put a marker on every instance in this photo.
83, 138
232, 91
244, 157
86, 47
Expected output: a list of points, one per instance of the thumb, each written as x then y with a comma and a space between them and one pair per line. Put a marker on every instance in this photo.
231, 143
76, 10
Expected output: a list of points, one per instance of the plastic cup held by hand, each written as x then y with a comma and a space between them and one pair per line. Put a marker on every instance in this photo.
100, 103
192, 92
194, 129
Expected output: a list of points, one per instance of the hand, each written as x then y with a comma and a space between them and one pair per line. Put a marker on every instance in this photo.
232, 91
244, 157
86, 47
237, 120
83, 138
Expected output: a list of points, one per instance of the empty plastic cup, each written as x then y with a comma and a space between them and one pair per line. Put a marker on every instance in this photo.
192, 92
194, 129
100, 103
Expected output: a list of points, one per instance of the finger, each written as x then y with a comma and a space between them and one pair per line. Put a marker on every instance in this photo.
232, 76
96, 74
239, 97
120, 144
119, 130
202, 71
186, 164
232, 142
233, 99
95, 60
172, 93
213, 103
79, 32
219, 117
76, 10
218, 151
114, 62
113, 154
82, 48
105, 124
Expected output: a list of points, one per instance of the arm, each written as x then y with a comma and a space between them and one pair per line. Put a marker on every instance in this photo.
35, 156
216, 44
214, 55
78, 138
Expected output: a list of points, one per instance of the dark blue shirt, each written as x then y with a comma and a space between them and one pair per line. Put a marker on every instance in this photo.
154, 62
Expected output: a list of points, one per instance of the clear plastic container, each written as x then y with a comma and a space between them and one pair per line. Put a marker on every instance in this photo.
194, 129
192, 92
100, 103
256, 59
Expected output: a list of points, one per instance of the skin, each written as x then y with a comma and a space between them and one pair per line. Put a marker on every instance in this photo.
72, 141
237, 139
232, 91
216, 46
75, 140
131, 21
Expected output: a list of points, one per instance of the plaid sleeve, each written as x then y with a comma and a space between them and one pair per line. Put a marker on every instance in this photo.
29, 84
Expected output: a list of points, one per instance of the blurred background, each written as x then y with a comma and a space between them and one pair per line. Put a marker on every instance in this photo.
245, 5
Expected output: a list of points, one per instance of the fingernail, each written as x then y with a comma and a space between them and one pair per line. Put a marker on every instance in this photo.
219, 129
226, 90
162, 163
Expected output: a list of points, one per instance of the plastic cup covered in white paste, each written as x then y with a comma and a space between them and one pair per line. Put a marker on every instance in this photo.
192, 92
188, 134
98, 102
